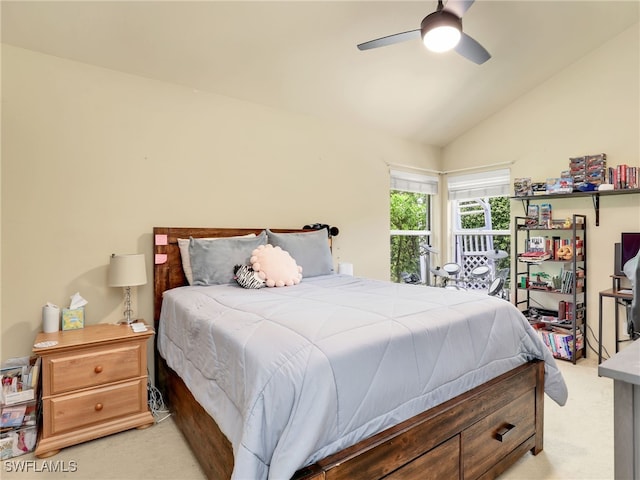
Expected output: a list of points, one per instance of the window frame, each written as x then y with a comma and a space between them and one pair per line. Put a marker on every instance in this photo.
476, 186
420, 184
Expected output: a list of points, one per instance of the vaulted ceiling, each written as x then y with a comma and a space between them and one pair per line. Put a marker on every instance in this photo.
301, 56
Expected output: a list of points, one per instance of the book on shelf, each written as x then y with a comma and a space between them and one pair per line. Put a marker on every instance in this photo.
556, 242
567, 312
536, 250
569, 278
579, 244
533, 257
560, 342
623, 177
537, 244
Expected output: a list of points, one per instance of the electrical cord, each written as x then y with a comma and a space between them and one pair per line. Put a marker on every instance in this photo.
156, 404
595, 340
631, 331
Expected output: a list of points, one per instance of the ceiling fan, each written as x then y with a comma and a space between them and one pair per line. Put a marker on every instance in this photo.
440, 31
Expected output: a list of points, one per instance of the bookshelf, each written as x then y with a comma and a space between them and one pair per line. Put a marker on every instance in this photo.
550, 282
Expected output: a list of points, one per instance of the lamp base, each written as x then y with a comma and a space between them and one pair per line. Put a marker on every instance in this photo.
128, 311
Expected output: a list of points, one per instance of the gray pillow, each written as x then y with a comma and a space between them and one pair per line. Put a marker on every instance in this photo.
212, 261
309, 249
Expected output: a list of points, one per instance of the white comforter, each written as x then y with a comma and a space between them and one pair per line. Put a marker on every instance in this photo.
294, 374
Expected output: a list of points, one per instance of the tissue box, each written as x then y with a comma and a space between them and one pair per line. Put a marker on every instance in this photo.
72, 318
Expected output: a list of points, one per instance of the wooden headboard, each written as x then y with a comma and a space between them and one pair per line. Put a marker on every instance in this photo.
167, 268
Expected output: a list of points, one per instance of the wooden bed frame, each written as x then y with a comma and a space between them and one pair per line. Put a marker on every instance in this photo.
478, 434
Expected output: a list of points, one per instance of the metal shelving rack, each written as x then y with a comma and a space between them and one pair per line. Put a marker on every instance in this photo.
523, 294
595, 197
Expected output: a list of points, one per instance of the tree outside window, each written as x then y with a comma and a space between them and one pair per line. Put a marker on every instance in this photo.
410, 228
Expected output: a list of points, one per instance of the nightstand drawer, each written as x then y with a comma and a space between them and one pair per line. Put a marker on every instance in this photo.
90, 368
76, 410
493, 437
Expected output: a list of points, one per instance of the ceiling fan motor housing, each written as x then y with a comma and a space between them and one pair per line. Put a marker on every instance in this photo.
440, 18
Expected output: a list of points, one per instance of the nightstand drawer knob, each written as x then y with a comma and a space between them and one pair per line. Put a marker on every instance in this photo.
98, 407
98, 369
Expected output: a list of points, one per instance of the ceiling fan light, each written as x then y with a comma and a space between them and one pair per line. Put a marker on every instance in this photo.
441, 31
442, 39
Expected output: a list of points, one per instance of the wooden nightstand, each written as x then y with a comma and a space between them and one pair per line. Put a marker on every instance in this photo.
94, 383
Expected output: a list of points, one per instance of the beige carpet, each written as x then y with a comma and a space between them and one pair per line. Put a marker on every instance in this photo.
578, 444
578, 438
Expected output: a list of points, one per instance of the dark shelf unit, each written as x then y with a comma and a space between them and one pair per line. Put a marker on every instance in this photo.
522, 297
595, 196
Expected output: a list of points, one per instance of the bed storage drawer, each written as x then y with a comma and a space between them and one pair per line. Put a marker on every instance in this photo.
439, 463
492, 438
454, 440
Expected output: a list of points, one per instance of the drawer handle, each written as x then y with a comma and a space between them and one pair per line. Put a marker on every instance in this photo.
501, 435
98, 407
98, 369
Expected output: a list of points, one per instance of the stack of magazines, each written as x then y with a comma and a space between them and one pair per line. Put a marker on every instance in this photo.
533, 257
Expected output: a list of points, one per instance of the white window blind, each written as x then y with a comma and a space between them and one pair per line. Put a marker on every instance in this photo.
494, 183
414, 182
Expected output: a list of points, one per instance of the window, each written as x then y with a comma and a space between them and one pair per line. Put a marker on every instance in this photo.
480, 220
410, 214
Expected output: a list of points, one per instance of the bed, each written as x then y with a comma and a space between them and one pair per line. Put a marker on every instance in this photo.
382, 391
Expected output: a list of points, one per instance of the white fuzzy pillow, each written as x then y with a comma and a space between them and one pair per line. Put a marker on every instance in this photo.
275, 266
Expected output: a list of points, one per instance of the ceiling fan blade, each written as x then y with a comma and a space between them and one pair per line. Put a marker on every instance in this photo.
458, 7
472, 50
390, 40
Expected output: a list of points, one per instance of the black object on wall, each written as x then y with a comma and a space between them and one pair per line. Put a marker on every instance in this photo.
331, 231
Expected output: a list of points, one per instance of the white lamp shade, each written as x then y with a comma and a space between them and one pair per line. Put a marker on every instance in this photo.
127, 270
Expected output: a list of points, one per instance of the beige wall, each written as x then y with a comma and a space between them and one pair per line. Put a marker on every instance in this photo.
593, 106
93, 159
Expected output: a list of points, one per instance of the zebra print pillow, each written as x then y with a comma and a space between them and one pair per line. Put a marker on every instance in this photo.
247, 277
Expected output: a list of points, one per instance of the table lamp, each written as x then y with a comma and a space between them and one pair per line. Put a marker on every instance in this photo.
127, 271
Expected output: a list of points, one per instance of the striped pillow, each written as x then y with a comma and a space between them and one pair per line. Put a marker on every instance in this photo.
247, 277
